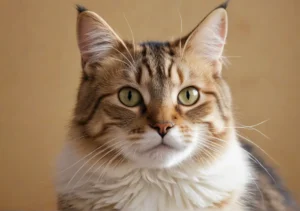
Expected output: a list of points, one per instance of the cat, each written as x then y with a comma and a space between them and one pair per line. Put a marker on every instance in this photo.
153, 128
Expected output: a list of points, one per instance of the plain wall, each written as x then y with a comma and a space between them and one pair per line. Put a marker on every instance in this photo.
40, 70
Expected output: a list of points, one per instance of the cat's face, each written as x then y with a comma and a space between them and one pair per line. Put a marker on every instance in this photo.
154, 105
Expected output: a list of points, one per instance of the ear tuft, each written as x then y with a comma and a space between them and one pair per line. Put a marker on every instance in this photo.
95, 37
207, 40
224, 5
80, 8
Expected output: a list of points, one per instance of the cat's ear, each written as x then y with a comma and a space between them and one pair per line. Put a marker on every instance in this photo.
95, 37
207, 40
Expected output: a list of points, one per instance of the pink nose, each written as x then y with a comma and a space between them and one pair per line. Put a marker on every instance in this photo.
162, 127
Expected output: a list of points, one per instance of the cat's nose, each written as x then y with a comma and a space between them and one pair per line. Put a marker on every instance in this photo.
162, 127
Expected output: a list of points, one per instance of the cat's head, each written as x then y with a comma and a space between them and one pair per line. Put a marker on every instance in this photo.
153, 104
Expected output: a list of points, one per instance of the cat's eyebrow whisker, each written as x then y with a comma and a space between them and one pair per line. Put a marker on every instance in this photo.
119, 60
124, 56
181, 29
132, 36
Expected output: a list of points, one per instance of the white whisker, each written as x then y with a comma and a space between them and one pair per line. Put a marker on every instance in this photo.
131, 64
258, 147
252, 157
85, 164
119, 152
132, 36
88, 170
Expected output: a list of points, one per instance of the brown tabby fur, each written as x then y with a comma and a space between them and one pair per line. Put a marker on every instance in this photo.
157, 67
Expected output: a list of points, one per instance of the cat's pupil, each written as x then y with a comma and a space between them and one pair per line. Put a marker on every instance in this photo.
188, 95
129, 95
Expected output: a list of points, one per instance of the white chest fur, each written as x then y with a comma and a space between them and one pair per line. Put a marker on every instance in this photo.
187, 188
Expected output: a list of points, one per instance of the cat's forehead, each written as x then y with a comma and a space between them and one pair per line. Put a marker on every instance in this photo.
155, 44
156, 50
157, 64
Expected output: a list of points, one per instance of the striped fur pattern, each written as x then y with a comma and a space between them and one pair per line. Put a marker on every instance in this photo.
116, 160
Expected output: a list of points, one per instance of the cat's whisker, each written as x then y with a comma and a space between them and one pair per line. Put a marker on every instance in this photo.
61, 171
234, 56
257, 124
210, 148
119, 60
216, 138
252, 127
215, 144
257, 186
119, 152
86, 162
252, 157
132, 36
247, 139
112, 149
88, 170
181, 29
208, 154
130, 62
211, 144
120, 161
249, 128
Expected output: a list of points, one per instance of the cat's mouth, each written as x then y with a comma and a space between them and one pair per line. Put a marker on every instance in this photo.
161, 147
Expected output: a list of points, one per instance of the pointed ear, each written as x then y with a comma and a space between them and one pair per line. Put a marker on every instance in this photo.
95, 37
207, 40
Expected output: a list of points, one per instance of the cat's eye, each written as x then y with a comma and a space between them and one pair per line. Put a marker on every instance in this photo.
188, 96
130, 97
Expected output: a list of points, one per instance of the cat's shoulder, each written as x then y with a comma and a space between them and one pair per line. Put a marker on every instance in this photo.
268, 192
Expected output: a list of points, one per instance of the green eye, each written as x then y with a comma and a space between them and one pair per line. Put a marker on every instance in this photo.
188, 96
130, 97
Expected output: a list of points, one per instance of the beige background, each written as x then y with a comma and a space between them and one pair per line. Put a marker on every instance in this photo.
40, 72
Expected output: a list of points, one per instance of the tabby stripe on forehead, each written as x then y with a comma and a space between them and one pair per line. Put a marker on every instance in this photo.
145, 60
92, 113
171, 52
146, 63
144, 51
170, 69
160, 70
180, 75
219, 104
138, 75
